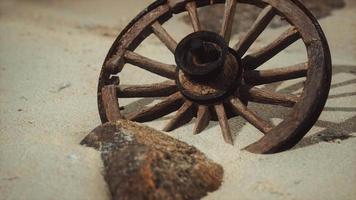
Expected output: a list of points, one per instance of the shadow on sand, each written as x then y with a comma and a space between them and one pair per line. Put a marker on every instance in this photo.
333, 132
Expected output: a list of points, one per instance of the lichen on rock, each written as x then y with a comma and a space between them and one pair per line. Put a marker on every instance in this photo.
143, 163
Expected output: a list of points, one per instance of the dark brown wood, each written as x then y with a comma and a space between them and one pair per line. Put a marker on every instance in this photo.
266, 96
164, 36
317, 84
191, 7
153, 90
316, 87
183, 116
214, 86
176, 3
230, 9
250, 116
116, 62
256, 59
203, 119
256, 29
111, 105
168, 105
153, 66
143, 163
261, 77
224, 123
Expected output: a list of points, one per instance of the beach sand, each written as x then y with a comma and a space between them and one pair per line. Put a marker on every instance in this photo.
51, 53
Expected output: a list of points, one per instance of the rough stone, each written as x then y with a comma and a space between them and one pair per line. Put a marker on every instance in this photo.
142, 163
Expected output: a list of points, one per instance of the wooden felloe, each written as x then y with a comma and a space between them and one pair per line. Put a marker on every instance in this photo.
213, 80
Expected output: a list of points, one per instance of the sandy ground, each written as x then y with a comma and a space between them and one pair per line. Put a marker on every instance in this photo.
50, 57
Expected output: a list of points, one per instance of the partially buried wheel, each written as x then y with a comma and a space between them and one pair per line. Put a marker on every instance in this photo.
212, 81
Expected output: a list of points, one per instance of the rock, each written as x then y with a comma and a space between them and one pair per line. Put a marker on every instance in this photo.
142, 163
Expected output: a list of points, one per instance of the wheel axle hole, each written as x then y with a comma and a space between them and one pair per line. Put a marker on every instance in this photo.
207, 53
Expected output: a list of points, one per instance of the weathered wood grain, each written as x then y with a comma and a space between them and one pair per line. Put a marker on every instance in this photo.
153, 66
191, 7
256, 59
111, 104
116, 62
229, 13
250, 116
255, 77
164, 36
152, 90
168, 105
264, 18
183, 116
317, 84
203, 119
265, 96
224, 123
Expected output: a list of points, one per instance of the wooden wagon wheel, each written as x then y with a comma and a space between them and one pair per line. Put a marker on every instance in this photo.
213, 81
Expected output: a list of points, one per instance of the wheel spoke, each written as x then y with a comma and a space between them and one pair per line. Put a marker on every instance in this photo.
250, 116
230, 8
257, 28
183, 116
156, 67
163, 35
111, 105
261, 77
130, 35
224, 123
168, 105
153, 90
191, 7
113, 80
203, 119
256, 59
264, 96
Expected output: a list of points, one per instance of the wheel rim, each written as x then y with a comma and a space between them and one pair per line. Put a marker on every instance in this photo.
306, 108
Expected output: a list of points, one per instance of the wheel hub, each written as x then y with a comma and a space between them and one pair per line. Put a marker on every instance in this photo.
208, 73
208, 70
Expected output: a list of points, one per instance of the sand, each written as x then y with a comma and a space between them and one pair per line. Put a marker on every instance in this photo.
50, 57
